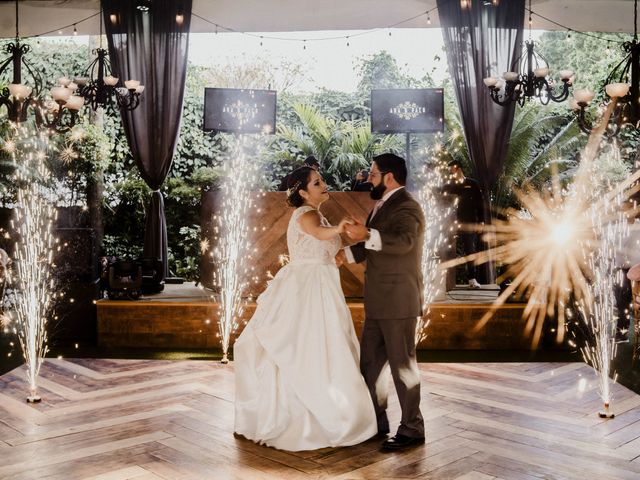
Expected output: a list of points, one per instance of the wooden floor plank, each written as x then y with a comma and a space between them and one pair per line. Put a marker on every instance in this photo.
114, 419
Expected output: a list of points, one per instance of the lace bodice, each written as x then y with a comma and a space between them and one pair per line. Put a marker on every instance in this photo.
303, 246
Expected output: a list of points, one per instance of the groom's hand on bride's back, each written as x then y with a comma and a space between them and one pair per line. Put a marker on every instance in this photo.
341, 258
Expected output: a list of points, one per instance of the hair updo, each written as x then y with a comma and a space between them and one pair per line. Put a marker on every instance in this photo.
298, 180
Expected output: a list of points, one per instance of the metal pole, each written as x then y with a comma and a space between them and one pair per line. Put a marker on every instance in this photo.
407, 154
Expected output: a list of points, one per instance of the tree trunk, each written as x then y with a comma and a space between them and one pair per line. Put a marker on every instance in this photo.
95, 192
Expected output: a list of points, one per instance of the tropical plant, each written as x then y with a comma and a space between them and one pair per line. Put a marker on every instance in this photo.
341, 147
538, 138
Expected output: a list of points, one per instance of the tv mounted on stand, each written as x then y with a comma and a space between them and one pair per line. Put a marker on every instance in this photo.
239, 110
407, 110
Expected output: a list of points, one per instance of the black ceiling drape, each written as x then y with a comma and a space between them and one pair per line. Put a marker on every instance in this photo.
482, 40
151, 46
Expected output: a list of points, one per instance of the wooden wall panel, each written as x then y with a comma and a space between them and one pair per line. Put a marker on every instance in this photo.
270, 219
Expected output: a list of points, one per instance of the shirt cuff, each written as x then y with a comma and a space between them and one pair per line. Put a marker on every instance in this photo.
349, 254
374, 242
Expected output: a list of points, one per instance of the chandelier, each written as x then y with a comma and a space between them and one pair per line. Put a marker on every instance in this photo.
622, 85
99, 87
531, 82
57, 111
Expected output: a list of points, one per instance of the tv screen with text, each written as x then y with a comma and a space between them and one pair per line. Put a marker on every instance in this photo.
411, 110
239, 110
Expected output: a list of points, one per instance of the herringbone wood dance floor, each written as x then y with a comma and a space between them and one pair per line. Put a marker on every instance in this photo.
131, 419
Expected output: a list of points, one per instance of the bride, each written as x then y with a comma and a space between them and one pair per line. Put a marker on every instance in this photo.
298, 385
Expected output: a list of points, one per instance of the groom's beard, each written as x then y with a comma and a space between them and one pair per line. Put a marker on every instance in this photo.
377, 192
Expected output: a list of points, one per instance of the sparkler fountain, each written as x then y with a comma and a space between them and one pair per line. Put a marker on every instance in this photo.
232, 240
34, 248
436, 220
598, 314
562, 251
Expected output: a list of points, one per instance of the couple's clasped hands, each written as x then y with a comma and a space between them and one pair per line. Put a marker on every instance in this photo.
355, 231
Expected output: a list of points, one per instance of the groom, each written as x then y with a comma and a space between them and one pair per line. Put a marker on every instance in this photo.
391, 243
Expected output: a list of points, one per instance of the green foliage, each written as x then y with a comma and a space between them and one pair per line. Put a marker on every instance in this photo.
539, 137
333, 126
116, 246
342, 147
184, 254
79, 158
587, 56
51, 60
381, 70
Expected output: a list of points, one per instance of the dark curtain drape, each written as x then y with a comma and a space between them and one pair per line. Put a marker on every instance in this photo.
151, 46
481, 41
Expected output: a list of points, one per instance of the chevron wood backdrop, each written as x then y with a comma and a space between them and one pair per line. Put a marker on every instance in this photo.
131, 419
270, 218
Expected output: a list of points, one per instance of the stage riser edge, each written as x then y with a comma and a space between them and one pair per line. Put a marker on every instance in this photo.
194, 325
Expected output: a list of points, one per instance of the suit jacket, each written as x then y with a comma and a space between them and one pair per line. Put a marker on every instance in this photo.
393, 277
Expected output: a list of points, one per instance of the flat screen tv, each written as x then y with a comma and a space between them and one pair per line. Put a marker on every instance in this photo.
407, 110
239, 111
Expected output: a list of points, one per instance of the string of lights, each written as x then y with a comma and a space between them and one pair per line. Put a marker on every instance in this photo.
222, 28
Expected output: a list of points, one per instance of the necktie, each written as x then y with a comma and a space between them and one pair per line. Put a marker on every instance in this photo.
379, 204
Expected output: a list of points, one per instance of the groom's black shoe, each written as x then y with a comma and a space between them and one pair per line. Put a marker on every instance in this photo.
401, 442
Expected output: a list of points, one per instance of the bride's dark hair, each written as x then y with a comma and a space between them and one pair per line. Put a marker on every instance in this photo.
298, 180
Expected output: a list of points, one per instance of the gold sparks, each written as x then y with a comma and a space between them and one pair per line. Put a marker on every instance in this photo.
77, 134
68, 154
9, 146
204, 245
231, 236
547, 247
437, 217
33, 253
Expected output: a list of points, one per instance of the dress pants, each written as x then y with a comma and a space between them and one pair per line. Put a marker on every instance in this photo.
389, 344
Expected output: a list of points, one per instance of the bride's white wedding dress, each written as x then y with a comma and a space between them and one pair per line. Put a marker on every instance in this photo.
298, 385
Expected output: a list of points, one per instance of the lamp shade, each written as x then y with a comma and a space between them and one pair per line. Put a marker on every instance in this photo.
75, 102
60, 94
490, 81
565, 74
583, 96
111, 80
617, 89
131, 84
541, 72
19, 91
510, 76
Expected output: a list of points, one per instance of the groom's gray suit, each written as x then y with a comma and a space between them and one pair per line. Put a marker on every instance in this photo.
393, 302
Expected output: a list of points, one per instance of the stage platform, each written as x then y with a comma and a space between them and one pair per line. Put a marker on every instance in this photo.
184, 316
149, 420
